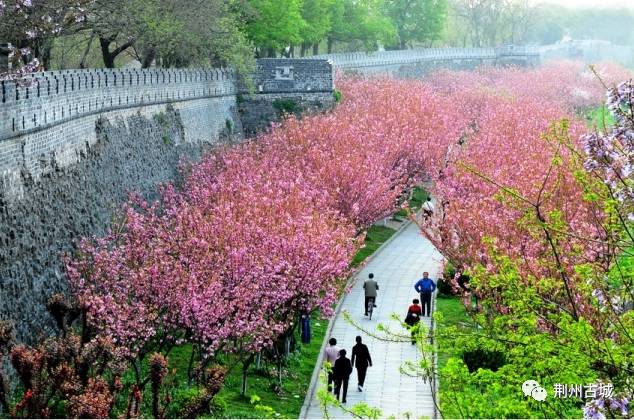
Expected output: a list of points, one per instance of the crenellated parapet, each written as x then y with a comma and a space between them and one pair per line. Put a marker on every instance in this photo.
417, 62
50, 98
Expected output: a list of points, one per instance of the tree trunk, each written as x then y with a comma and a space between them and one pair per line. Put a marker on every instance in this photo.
303, 49
46, 54
108, 59
109, 56
330, 42
148, 57
316, 48
82, 63
245, 371
270, 52
190, 366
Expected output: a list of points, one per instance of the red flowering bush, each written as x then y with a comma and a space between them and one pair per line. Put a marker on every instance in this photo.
63, 372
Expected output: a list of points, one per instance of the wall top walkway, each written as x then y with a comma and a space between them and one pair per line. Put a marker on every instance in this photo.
586, 50
355, 59
49, 98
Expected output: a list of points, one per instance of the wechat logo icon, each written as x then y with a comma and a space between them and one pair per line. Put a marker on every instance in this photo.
532, 389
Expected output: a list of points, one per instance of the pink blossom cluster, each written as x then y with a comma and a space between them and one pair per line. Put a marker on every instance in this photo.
31, 21
569, 84
510, 172
262, 231
265, 230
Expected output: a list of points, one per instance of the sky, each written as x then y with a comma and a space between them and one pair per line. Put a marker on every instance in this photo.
591, 3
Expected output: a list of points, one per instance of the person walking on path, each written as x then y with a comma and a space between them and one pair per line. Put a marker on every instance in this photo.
428, 208
414, 312
425, 287
361, 355
306, 328
342, 371
370, 286
331, 354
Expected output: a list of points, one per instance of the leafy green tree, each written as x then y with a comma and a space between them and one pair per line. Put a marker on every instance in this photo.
168, 33
487, 23
276, 25
417, 20
318, 17
177, 35
360, 23
615, 25
548, 27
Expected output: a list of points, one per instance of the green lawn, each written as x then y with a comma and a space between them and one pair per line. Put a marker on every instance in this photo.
453, 314
419, 196
376, 236
288, 400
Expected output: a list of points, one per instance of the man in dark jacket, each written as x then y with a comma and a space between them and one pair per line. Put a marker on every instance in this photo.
425, 287
341, 372
370, 286
361, 355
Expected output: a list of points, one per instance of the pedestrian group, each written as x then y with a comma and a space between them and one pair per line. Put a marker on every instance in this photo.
341, 367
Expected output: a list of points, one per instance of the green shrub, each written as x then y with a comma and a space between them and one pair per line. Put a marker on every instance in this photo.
229, 125
337, 95
444, 287
161, 120
218, 407
286, 106
485, 359
450, 271
181, 398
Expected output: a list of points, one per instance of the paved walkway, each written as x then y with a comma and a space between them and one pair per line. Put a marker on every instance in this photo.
396, 268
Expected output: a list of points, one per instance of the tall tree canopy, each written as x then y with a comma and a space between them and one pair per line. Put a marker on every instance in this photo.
417, 20
362, 23
318, 17
276, 24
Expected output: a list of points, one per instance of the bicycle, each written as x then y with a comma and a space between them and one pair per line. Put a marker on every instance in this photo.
370, 307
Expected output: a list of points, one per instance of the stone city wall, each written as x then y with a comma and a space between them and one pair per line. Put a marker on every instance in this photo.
417, 63
74, 143
285, 86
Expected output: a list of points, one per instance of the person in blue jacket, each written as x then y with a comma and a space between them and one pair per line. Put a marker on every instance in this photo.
425, 287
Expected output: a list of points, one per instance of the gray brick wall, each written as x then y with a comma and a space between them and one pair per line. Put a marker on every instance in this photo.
125, 153
74, 143
51, 98
258, 111
281, 75
419, 62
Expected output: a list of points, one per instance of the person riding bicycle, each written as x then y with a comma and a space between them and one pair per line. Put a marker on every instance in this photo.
370, 286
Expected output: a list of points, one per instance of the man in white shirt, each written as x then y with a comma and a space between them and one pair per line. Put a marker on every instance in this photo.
428, 208
331, 354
